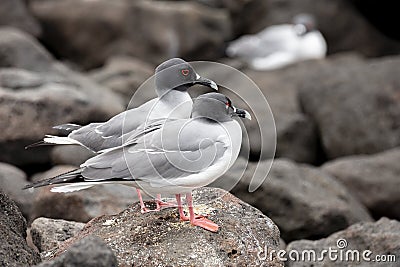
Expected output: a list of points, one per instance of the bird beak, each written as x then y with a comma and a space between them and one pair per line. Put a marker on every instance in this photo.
205, 82
241, 113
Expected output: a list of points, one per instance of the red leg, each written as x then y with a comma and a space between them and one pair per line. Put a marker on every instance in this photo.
199, 221
182, 215
143, 208
162, 204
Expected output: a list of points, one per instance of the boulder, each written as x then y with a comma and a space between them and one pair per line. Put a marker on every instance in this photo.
12, 180
380, 238
352, 32
184, 29
159, 238
14, 251
373, 179
355, 114
302, 200
80, 206
245, 15
296, 131
123, 75
47, 234
88, 252
37, 92
70, 155
16, 14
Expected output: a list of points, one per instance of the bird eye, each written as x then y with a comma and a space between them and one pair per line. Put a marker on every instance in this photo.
185, 72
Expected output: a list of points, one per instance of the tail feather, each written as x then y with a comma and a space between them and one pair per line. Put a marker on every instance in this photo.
72, 187
66, 129
67, 177
54, 140
39, 143
60, 140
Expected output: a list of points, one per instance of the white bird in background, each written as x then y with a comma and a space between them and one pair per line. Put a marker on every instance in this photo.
280, 45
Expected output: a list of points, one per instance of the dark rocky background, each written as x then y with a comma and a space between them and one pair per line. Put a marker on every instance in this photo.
337, 120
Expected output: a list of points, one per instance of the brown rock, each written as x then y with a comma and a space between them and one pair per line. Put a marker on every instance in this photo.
88, 252
161, 239
37, 92
184, 29
302, 200
16, 14
355, 114
70, 155
80, 206
12, 180
381, 238
47, 233
14, 251
373, 179
123, 75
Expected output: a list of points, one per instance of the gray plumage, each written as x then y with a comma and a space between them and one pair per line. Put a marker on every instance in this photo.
175, 157
172, 80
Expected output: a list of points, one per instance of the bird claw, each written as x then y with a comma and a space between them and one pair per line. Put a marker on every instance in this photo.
164, 205
205, 224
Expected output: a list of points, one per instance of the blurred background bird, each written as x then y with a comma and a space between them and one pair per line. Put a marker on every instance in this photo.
280, 45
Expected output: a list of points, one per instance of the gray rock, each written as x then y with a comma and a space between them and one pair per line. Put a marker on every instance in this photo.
20, 50
123, 75
351, 33
160, 239
296, 135
12, 180
88, 252
373, 179
14, 251
302, 200
184, 29
16, 14
39, 93
355, 114
245, 15
381, 238
70, 155
80, 206
47, 233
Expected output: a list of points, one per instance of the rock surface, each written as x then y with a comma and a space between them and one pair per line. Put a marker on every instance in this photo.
123, 75
302, 200
88, 252
374, 179
12, 180
70, 155
47, 234
80, 206
381, 238
14, 251
355, 115
182, 28
161, 239
37, 92
16, 14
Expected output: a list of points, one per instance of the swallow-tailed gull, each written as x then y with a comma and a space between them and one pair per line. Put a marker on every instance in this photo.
172, 80
280, 45
176, 158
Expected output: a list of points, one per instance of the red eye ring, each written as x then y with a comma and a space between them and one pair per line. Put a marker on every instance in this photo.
185, 72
